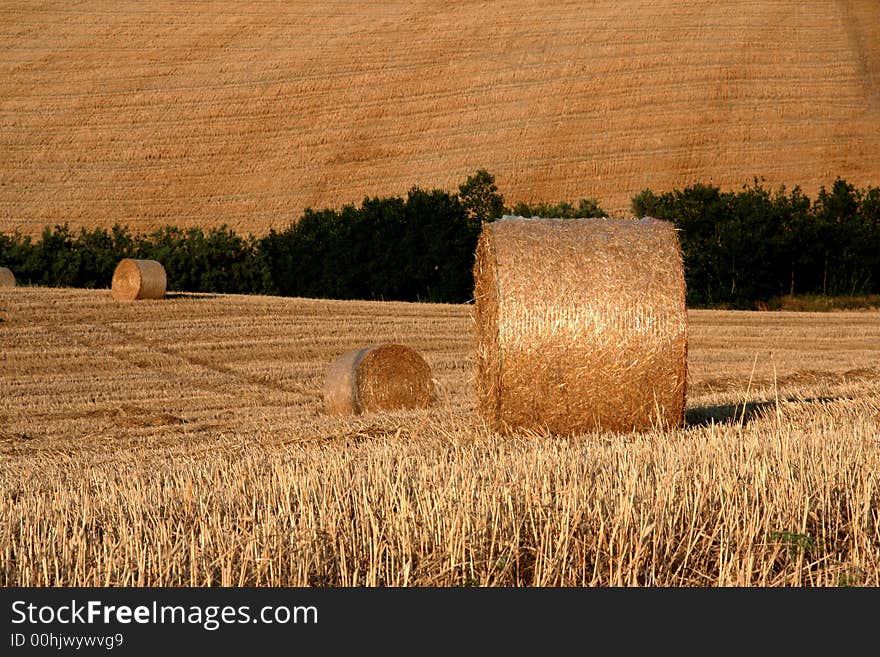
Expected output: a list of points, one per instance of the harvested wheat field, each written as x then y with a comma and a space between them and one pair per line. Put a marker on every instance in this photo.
200, 114
183, 442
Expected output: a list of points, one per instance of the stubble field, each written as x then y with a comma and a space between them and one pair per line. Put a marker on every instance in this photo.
182, 442
212, 112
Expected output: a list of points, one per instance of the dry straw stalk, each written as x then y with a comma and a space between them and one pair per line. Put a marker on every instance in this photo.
138, 279
381, 377
7, 278
580, 325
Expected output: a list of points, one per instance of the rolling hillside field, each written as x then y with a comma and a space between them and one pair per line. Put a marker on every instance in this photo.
215, 112
183, 442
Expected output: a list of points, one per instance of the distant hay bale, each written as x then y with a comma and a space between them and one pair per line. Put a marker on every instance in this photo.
580, 325
7, 278
381, 377
138, 279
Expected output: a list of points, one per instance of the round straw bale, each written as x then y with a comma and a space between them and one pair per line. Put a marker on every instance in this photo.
138, 279
7, 278
381, 377
580, 325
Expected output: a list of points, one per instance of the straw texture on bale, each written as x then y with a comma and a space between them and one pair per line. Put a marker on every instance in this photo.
580, 325
381, 377
138, 279
7, 278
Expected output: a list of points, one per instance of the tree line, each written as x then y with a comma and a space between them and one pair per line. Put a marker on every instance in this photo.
739, 248
745, 247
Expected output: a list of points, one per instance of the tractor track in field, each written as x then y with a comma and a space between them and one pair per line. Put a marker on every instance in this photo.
215, 114
132, 349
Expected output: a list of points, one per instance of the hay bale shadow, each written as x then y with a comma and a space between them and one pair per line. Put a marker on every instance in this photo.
191, 295
701, 416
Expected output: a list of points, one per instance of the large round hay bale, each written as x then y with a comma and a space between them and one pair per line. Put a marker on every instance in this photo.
580, 325
381, 377
7, 278
138, 279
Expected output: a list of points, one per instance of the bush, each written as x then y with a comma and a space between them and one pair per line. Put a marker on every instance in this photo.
750, 246
586, 208
741, 249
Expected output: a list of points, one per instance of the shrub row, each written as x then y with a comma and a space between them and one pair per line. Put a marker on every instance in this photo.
417, 248
744, 248
740, 248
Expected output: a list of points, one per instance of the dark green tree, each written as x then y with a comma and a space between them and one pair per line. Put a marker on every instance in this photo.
794, 242
645, 204
585, 208
439, 247
837, 216
480, 197
869, 239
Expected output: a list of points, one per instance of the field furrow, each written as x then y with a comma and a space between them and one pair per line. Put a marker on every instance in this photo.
183, 442
209, 113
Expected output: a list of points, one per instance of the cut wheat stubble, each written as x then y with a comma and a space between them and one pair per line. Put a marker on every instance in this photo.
382, 377
580, 325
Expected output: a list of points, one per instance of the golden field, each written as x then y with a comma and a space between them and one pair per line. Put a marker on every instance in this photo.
182, 442
213, 112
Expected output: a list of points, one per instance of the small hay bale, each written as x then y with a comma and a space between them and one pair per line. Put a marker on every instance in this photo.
7, 278
580, 325
381, 377
138, 279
